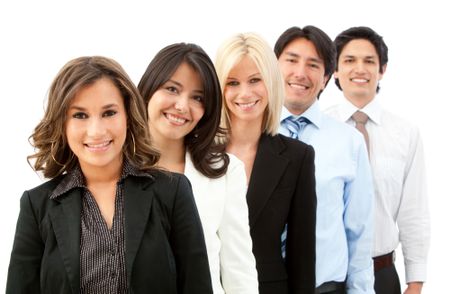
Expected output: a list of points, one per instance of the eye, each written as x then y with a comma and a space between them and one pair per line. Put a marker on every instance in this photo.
291, 60
80, 115
370, 61
172, 89
314, 65
348, 60
198, 98
255, 80
109, 113
233, 83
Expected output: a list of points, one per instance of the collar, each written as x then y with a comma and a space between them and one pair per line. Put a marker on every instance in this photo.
75, 178
313, 114
372, 109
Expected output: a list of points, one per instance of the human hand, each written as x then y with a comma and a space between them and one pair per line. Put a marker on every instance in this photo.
414, 288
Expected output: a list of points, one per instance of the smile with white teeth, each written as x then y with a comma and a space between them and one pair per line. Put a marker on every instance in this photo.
175, 119
298, 86
98, 146
247, 105
356, 80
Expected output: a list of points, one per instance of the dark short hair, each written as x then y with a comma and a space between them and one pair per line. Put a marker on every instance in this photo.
365, 33
208, 156
322, 42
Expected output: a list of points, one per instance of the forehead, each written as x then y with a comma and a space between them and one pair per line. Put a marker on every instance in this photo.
244, 67
102, 91
359, 48
301, 47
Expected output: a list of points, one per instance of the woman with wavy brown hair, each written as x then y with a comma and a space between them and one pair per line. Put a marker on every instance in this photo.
108, 220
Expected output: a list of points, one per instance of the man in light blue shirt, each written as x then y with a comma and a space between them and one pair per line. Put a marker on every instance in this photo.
344, 187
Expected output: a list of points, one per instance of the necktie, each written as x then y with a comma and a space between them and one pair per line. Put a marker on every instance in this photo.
295, 126
361, 119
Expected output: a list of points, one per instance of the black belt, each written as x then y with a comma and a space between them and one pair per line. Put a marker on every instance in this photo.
330, 286
383, 261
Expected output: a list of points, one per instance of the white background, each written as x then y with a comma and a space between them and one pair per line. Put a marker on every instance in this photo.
38, 37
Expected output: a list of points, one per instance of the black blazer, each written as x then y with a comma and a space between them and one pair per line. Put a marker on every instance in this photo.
282, 191
165, 250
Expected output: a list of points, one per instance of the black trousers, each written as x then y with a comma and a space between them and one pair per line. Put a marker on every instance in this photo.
387, 281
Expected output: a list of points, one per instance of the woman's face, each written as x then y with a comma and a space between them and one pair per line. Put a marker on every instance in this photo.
245, 92
176, 108
96, 125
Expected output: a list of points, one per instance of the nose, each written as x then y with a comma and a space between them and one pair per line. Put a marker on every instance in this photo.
246, 90
300, 70
360, 66
181, 104
96, 127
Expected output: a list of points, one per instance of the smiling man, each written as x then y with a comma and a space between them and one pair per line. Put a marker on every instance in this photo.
344, 226
396, 158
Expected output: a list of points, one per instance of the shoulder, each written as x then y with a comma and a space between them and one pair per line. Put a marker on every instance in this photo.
43, 191
293, 145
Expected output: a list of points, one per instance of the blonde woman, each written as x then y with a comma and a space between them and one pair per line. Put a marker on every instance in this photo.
279, 170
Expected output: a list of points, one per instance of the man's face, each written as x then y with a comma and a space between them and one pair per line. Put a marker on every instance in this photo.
358, 71
304, 74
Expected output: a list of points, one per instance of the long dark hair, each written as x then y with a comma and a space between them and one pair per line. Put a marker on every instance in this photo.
208, 156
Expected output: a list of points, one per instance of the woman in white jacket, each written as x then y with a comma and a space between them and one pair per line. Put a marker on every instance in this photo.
183, 98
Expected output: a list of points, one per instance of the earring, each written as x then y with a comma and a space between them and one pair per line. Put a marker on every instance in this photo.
53, 156
134, 143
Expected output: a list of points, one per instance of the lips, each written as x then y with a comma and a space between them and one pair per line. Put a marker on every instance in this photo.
359, 80
175, 119
298, 86
247, 105
98, 146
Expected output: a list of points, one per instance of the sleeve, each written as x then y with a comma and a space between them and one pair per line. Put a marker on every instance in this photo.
358, 223
301, 234
188, 243
413, 217
27, 251
237, 263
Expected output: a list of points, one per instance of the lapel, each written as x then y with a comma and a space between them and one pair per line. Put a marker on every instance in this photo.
267, 169
66, 220
137, 204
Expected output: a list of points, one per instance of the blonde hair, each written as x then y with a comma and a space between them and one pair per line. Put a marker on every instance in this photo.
254, 46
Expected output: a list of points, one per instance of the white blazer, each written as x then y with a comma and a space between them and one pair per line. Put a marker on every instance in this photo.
223, 210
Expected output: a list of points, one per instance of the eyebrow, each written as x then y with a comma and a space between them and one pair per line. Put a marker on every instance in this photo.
313, 59
107, 106
354, 56
250, 76
181, 86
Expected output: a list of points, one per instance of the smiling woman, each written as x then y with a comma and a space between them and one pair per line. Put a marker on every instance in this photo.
106, 210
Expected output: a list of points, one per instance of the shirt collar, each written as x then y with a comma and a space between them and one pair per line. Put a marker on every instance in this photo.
313, 114
75, 178
372, 109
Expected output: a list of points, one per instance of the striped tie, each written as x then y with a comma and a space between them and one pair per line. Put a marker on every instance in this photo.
295, 126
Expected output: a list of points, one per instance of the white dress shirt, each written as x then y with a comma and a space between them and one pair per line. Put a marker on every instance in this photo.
223, 210
398, 168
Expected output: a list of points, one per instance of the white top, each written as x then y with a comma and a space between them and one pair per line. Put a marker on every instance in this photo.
398, 168
223, 210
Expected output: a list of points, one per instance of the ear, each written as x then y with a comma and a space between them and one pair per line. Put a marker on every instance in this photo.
383, 70
325, 81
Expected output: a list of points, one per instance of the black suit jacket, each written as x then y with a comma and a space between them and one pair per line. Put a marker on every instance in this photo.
165, 250
282, 191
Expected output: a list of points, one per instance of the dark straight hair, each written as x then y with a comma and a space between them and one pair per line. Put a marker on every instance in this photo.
208, 156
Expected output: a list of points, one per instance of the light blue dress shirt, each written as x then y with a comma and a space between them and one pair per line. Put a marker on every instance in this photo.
344, 226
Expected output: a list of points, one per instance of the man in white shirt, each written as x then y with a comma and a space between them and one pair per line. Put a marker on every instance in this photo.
396, 157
